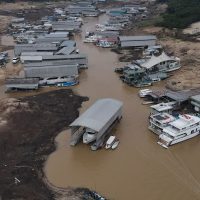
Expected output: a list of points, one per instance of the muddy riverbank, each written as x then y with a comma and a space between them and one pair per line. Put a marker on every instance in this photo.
28, 127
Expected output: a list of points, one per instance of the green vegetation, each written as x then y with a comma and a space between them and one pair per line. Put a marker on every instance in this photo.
181, 13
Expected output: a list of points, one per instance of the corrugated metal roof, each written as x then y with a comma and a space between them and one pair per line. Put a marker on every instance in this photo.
57, 57
36, 53
137, 43
57, 62
21, 81
137, 38
98, 115
50, 40
68, 43
66, 51
51, 71
30, 58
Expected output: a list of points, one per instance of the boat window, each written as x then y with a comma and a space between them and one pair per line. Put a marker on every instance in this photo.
181, 135
52, 78
91, 133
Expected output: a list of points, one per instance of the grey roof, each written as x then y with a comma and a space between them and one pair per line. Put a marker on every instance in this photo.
34, 47
65, 57
137, 43
67, 23
107, 33
137, 38
66, 51
21, 81
51, 71
97, 116
68, 43
57, 35
30, 58
41, 40
57, 62
183, 95
36, 53
196, 98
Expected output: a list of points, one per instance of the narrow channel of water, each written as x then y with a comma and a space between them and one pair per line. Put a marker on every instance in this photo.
138, 168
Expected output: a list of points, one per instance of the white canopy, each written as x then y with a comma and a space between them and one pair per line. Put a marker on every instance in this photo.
98, 114
154, 60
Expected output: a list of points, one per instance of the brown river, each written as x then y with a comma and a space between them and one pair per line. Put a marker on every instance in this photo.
139, 168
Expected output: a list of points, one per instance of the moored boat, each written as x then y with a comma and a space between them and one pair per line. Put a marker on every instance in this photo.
115, 145
110, 142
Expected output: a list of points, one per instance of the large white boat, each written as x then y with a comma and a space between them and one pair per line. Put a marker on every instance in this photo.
179, 130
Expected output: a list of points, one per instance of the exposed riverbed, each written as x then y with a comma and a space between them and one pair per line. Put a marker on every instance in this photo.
139, 168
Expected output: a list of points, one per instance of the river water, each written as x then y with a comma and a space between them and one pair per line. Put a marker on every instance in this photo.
139, 168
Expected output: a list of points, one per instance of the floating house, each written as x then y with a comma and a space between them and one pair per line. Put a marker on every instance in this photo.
137, 41
161, 63
51, 71
22, 83
96, 122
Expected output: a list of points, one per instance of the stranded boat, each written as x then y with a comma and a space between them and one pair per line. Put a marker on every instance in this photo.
179, 129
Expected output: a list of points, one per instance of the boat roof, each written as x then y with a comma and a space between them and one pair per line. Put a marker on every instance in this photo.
163, 106
97, 116
183, 122
154, 60
111, 139
164, 118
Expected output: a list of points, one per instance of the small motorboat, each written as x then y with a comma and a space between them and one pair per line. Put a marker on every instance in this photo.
115, 145
110, 142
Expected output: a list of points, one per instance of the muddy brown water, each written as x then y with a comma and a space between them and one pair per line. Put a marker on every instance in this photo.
138, 168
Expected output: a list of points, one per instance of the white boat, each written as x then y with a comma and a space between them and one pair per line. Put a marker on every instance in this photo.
185, 127
89, 136
144, 92
115, 145
110, 142
158, 121
91, 39
57, 80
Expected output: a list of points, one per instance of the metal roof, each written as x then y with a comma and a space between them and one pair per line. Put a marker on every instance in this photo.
51, 71
183, 95
42, 40
196, 98
154, 60
21, 81
97, 116
57, 62
68, 43
137, 43
30, 58
66, 51
37, 53
137, 38
63, 57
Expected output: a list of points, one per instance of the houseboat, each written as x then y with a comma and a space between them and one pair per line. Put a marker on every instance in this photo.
161, 63
185, 127
159, 121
